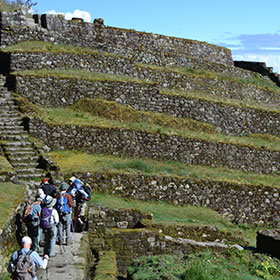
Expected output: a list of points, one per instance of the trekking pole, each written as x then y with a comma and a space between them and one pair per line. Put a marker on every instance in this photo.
47, 273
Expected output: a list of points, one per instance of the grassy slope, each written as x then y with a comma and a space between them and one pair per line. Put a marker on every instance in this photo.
75, 161
10, 196
5, 165
166, 213
71, 116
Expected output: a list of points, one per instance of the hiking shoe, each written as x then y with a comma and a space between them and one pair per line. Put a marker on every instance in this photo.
59, 242
69, 242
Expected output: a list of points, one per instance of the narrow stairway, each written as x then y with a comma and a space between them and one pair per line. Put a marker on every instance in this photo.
14, 140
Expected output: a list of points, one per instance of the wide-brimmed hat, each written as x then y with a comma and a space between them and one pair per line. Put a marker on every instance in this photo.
49, 201
72, 179
64, 186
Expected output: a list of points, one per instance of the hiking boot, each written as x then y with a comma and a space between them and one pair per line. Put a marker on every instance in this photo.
69, 242
59, 242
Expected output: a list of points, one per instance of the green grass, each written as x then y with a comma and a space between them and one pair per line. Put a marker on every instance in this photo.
258, 80
69, 116
205, 96
230, 265
5, 166
169, 214
75, 161
80, 74
10, 196
39, 46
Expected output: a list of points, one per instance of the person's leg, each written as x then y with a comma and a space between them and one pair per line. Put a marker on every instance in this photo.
36, 239
68, 227
60, 232
47, 242
53, 235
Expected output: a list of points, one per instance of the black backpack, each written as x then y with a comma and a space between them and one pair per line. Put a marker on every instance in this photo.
23, 267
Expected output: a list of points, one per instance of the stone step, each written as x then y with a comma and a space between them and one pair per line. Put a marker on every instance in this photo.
18, 154
23, 158
32, 184
17, 149
19, 144
29, 170
13, 119
28, 176
14, 137
11, 127
23, 165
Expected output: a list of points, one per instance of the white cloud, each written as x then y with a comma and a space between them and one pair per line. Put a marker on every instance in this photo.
270, 60
77, 13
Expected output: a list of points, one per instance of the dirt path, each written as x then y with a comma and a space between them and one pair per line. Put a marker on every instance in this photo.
65, 265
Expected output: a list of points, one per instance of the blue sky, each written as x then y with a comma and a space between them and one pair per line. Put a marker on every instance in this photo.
250, 28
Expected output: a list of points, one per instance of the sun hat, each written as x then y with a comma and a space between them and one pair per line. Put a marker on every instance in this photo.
49, 202
72, 179
26, 240
64, 186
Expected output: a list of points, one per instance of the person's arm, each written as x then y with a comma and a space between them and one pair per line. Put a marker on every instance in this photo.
55, 216
38, 261
12, 261
70, 200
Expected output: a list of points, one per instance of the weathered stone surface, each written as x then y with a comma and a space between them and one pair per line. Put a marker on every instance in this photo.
136, 143
228, 119
120, 41
236, 202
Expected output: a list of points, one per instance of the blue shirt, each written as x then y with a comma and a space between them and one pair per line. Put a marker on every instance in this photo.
36, 259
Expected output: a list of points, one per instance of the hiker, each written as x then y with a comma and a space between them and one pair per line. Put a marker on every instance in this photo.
82, 194
48, 220
64, 206
71, 184
32, 219
23, 262
48, 188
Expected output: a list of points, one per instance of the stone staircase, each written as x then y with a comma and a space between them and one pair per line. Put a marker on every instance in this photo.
15, 142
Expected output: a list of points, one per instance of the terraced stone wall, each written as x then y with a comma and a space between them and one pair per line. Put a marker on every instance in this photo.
120, 141
228, 119
10, 232
103, 62
236, 202
98, 36
129, 243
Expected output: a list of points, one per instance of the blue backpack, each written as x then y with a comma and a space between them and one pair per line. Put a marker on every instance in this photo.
62, 205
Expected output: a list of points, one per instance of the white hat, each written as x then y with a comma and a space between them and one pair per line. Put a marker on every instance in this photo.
72, 179
26, 240
49, 201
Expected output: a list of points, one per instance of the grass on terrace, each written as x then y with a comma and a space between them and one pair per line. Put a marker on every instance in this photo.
10, 196
75, 116
75, 161
80, 74
5, 166
166, 213
39, 46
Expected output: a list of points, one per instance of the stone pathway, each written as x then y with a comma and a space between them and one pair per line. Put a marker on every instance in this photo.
66, 264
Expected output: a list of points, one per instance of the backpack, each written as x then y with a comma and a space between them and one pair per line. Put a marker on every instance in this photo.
62, 205
23, 267
45, 219
87, 189
27, 216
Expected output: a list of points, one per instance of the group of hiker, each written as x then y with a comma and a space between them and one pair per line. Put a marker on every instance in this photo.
50, 215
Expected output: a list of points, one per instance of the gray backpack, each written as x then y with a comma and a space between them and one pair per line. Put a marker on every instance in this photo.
23, 267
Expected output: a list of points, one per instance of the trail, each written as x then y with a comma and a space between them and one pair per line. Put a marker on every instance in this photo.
65, 264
